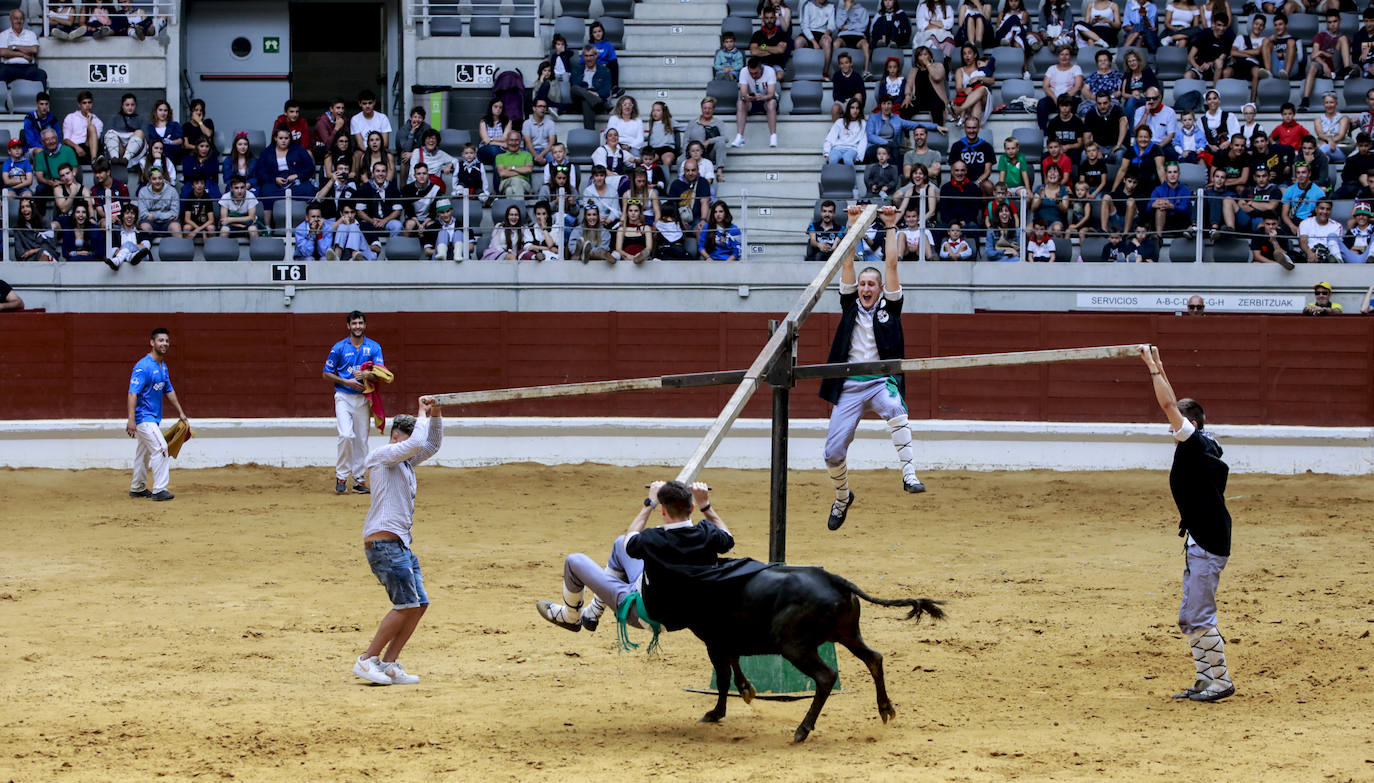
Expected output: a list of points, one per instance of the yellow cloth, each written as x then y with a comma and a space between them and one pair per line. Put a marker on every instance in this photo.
175, 435
374, 398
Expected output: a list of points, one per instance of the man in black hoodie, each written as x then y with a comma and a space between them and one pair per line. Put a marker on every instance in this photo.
1198, 483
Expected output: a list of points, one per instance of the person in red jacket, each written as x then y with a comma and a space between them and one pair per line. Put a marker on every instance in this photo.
1289, 132
295, 124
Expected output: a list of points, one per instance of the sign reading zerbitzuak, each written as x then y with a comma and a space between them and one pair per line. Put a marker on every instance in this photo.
1216, 303
109, 73
470, 74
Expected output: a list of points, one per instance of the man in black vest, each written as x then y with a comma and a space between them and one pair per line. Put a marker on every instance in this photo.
870, 329
1198, 483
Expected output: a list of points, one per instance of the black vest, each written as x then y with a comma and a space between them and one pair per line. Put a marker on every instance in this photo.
1198, 483
887, 333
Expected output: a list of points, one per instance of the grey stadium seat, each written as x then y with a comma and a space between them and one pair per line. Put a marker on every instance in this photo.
1032, 141
1194, 175
1170, 63
1304, 26
620, 9
1228, 250
266, 248
1234, 93
485, 21
1063, 250
283, 222
500, 205
743, 9
1182, 250
573, 30
1341, 209
1016, 87
806, 97
1184, 86
1273, 93
452, 140
403, 249
1009, 62
615, 30
176, 249
24, 95
578, 8
881, 54
221, 249
1092, 248
1041, 62
837, 181
257, 139
444, 20
726, 93
742, 28
807, 64
581, 144
1353, 93
520, 26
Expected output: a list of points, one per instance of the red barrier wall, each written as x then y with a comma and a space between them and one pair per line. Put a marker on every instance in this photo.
1245, 369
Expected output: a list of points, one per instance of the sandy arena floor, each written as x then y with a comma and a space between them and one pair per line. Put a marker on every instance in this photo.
212, 637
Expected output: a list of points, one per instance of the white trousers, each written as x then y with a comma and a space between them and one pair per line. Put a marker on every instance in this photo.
352, 417
151, 455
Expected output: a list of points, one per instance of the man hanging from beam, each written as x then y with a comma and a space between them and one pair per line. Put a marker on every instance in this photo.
870, 329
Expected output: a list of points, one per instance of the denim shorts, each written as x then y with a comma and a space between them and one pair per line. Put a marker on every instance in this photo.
397, 568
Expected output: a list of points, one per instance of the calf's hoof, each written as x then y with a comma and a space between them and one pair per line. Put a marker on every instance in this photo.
801, 735
747, 693
886, 712
713, 716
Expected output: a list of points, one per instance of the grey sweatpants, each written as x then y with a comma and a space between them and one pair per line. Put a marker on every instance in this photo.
858, 396
1201, 573
619, 578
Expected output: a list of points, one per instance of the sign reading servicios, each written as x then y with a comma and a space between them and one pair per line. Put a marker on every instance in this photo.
474, 74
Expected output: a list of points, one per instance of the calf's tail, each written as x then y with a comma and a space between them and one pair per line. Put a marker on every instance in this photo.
918, 606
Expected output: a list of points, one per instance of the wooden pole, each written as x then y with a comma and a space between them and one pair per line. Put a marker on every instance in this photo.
780, 378
773, 348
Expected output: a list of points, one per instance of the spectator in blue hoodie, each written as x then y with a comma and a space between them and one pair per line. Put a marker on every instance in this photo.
1172, 202
36, 121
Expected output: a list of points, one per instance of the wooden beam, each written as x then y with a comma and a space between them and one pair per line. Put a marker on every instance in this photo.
932, 363
805, 304
538, 392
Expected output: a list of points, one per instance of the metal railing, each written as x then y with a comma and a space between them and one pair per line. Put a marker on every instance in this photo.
421, 13
156, 14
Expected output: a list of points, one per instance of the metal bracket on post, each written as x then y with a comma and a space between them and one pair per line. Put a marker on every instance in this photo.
780, 377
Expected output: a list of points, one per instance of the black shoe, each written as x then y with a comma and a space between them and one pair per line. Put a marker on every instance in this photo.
617, 91
839, 511
163, 495
140, 493
589, 623
111, 264
546, 611
361, 489
1211, 695
914, 486
139, 256
340, 486
1306, 104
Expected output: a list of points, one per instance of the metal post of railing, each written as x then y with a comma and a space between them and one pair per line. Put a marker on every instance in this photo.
744, 223
288, 232
557, 228
5, 234
467, 237
1201, 227
920, 240
1021, 235
109, 222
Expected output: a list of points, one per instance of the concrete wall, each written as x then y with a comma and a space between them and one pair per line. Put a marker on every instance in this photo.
940, 445
689, 286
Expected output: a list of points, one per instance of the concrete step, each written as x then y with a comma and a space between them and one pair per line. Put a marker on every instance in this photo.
675, 12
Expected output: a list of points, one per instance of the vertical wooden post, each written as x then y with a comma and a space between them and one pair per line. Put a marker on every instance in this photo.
780, 378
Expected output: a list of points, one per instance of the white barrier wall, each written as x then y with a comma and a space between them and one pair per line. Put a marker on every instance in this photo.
940, 444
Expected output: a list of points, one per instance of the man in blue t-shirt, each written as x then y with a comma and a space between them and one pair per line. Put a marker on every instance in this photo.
148, 383
352, 413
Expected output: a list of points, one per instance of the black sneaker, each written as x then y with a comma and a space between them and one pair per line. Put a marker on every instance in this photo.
361, 489
913, 485
589, 623
1213, 695
340, 486
163, 495
139, 257
1306, 104
111, 264
839, 511
140, 493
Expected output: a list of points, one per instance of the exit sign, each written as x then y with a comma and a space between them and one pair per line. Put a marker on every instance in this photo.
271, 45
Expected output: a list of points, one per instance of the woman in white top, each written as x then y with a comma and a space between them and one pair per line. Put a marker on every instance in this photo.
612, 154
626, 122
1249, 126
1062, 78
971, 85
848, 139
1101, 24
508, 238
1331, 129
1181, 22
918, 186
934, 27
1218, 125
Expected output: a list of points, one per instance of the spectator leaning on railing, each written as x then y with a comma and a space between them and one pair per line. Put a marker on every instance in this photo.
1322, 304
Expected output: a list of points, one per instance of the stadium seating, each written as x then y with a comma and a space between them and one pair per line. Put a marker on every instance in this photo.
743, 9
1009, 61
807, 97
1170, 63
485, 21
615, 30
444, 21
578, 8
266, 248
837, 180
1032, 141
726, 93
855, 54
581, 143
23, 95
1092, 248
499, 207
1063, 250
176, 249
1234, 93
742, 28
403, 248
222, 249
452, 141
808, 64
1182, 252
880, 56
1226, 250
1353, 94
619, 9
573, 30
1273, 93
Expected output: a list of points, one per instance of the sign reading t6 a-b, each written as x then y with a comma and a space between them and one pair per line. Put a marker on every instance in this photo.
109, 73
474, 74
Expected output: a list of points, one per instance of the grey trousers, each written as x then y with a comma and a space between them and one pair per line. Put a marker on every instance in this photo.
1201, 573
857, 397
611, 584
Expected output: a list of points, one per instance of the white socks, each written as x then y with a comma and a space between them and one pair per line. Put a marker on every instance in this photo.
900, 431
572, 605
839, 476
594, 609
1209, 658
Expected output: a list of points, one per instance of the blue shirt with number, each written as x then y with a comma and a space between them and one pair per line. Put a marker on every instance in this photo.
150, 380
345, 358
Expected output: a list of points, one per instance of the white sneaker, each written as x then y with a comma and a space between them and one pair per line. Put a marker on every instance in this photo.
772, 139
398, 674
370, 669
739, 140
